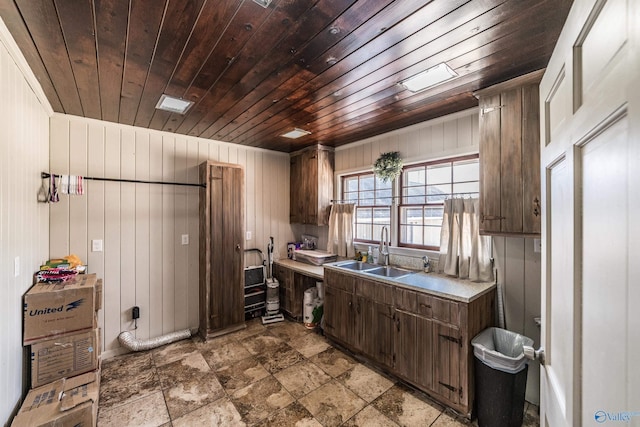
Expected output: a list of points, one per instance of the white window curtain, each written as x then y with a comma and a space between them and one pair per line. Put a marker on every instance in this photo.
463, 252
341, 230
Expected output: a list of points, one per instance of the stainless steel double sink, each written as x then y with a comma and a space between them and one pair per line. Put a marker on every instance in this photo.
375, 270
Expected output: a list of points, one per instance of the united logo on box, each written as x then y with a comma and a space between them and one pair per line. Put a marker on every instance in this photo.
60, 309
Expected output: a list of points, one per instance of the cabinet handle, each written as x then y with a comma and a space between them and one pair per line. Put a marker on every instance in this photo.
425, 305
448, 387
489, 109
350, 304
237, 246
484, 218
452, 339
536, 206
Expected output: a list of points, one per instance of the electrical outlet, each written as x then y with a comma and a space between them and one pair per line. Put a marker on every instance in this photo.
96, 246
185, 239
248, 237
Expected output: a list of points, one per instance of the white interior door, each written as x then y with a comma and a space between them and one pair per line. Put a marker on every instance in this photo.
590, 185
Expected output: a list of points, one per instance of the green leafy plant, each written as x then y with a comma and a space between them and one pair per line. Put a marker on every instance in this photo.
388, 166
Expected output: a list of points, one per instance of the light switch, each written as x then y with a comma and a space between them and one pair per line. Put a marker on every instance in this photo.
248, 236
185, 239
16, 266
96, 246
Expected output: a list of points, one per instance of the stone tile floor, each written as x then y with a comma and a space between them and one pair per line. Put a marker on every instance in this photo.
276, 375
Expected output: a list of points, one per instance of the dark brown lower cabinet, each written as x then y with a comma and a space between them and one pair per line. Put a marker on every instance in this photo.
341, 316
380, 334
407, 348
447, 346
285, 280
422, 339
292, 287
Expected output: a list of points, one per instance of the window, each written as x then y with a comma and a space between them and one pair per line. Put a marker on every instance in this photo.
372, 198
423, 190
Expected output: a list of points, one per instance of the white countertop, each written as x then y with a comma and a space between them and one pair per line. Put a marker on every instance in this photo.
314, 271
430, 283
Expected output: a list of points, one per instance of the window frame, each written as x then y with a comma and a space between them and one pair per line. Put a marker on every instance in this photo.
372, 207
400, 197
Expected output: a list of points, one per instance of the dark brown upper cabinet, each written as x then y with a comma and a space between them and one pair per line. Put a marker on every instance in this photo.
510, 157
311, 186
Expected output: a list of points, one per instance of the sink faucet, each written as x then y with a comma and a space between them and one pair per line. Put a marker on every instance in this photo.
384, 245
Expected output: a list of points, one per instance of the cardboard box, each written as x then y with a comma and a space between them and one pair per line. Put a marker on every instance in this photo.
58, 309
64, 357
66, 402
99, 294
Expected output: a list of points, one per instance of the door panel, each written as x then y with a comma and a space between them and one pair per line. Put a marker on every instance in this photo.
605, 227
559, 329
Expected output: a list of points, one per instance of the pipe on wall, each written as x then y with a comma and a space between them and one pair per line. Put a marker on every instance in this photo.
130, 342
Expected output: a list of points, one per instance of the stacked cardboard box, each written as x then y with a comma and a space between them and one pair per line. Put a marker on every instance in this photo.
66, 402
61, 326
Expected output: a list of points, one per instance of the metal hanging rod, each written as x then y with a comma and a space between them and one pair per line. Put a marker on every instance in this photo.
467, 193
45, 175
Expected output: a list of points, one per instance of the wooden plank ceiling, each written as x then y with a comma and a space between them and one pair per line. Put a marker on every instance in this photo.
331, 67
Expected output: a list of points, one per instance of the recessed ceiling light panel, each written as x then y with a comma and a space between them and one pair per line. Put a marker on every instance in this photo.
428, 78
173, 105
263, 3
296, 133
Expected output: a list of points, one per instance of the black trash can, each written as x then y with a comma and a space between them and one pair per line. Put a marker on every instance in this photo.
500, 377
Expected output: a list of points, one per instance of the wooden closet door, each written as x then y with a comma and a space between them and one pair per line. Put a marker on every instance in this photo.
226, 219
226, 298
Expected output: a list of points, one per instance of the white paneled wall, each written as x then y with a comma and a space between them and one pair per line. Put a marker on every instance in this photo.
448, 136
518, 267
519, 271
144, 263
24, 226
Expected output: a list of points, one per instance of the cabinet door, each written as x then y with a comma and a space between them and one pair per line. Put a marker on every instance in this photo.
226, 302
338, 314
413, 349
378, 325
447, 345
324, 186
310, 187
511, 161
425, 355
490, 174
296, 205
285, 281
531, 157
406, 345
